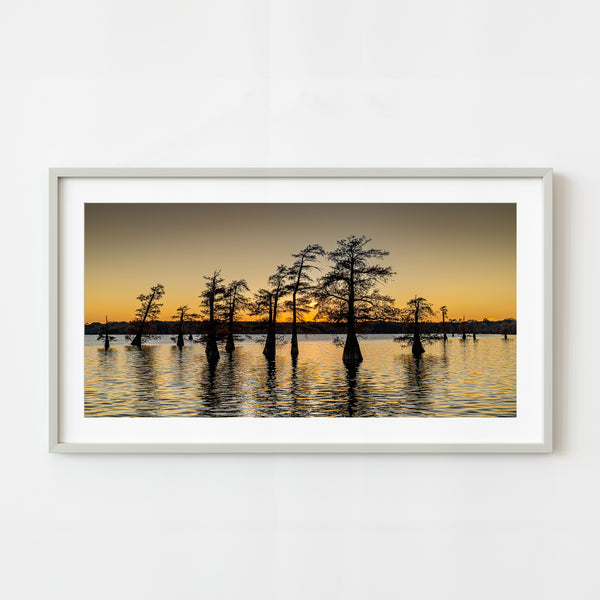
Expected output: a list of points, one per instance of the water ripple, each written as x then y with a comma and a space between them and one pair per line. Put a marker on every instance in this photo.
455, 378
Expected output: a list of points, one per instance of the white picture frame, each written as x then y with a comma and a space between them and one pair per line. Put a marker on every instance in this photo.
533, 436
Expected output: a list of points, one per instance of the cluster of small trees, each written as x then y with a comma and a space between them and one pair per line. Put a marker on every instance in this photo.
347, 292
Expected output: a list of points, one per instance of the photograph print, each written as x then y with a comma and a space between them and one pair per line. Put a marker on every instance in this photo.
298, 309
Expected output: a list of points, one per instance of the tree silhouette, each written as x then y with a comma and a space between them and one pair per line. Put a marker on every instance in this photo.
234, 300
444, 311
348, 292
508, 326
485, 325
147, 314
212, 297
452, 325
184, 318
417, 309
301, 286
277, 289
462, 325
262, 305
105, 331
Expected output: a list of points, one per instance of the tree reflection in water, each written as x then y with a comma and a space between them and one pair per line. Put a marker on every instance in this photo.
177, 357
231, 382
144, 367
107, 361
417, 386
211, 396
351, 381
452, 378
294, 386
99, 380
218, 388
270, 406
301, 378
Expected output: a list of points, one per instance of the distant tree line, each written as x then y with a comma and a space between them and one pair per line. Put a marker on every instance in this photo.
346, 297
252, 327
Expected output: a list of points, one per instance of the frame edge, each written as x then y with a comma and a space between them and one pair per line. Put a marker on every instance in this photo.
53, 310
56, 446
548, 206
291, 172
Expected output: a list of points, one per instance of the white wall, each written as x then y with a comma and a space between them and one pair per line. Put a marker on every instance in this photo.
298, 83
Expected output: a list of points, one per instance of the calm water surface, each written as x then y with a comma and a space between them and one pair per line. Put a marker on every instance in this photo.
452, 379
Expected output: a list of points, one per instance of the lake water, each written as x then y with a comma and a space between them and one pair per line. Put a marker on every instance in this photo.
456, 378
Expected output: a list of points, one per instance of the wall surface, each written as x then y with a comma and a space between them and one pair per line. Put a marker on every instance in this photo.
298, 83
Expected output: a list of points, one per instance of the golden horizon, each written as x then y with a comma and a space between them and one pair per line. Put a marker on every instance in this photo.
288, 319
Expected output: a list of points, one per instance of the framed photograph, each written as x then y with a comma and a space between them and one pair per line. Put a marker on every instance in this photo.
301, 310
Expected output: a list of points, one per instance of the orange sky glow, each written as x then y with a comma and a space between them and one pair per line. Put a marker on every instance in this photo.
459, 255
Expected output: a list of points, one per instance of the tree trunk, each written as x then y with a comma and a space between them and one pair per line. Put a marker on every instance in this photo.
106, 336
137, 340
180, 341
417, 346
294, 351
352, 354
212, 350
444, 327
230, 345
270, 344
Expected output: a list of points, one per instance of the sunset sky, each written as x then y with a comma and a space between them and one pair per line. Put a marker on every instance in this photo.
459, 255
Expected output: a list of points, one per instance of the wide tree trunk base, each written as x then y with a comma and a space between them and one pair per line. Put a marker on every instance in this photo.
294, 350
213, 356
352, 354
270, 346
230, 345
417, 348
269, 352
212, 352
180, 341
137, 341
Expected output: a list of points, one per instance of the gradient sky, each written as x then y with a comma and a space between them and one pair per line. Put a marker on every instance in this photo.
460, 255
